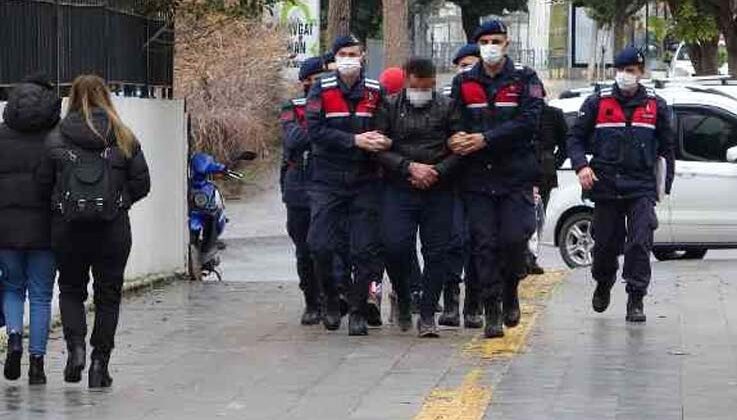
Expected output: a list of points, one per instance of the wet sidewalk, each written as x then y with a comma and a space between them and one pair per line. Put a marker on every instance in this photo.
681, 365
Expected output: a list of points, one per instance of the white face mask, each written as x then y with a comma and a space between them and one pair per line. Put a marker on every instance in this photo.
492, 53
419, 97
627, 82
348, 65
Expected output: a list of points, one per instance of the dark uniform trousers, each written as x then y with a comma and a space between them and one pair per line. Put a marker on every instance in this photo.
615, 220
404, 211
298, 225
345, 216
499, 227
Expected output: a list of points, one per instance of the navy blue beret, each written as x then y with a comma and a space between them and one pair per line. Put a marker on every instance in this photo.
465, 51
312, 65
327, 58
490, 27
344, 41
628, 57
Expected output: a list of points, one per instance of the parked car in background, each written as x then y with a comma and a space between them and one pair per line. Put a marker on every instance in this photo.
681, 65
701, 212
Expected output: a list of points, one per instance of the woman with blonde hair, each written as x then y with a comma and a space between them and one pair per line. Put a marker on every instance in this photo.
96, 171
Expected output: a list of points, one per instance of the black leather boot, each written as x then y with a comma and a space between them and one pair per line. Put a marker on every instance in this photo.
472, 313
76, 356
99, 376
451, 316
493, 327
36, 374
312, 314
357, 324
635, 308
332, 317
512, 312
602, 296
13, 356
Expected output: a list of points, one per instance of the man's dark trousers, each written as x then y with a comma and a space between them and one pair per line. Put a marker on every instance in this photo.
404, 211
499, 225
345, 215
624, 226
298, 225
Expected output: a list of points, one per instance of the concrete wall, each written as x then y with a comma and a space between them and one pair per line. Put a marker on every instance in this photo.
159, 221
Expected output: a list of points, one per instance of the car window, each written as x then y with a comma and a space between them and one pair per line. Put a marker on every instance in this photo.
706, 136
683, 54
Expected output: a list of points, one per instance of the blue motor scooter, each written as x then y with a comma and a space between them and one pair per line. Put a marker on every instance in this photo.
207, 218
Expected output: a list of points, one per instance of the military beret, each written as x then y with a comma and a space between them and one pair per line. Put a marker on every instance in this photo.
490, 27
628, 57
465, 51
344, 41
310, 66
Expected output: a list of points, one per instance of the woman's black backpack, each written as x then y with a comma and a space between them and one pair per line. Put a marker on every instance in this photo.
86, 188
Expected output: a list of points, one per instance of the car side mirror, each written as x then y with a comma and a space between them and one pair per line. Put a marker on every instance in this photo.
732, 154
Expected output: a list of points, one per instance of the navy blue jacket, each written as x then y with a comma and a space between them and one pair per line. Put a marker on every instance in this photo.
626, 135
506, 109
335, 114
296, 162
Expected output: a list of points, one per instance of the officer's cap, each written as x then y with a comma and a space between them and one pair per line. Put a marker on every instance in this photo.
465, 51
344, 41
328, 58
628, 57
490, 27
310, 66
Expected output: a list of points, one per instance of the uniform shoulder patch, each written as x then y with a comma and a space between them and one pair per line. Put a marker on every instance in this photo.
373, 84
651, 92
299, 102
605, 92
447, 90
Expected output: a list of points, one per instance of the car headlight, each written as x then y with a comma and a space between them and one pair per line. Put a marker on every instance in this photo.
200, 200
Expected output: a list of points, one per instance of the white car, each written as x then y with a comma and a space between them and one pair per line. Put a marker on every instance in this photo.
701, 212
681, 65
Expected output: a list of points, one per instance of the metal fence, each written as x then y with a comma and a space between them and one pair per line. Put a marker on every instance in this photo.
65, 38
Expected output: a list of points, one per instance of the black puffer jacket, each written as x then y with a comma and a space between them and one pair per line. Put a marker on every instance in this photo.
31, 112
130, 174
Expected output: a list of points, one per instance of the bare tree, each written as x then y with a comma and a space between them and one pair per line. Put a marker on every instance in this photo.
339, 19
396, 32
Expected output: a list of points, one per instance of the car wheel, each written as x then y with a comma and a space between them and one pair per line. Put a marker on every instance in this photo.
666, 254
695, 254
575, 240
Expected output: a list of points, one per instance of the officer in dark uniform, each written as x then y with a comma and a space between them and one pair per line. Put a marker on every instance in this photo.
345, 189
419, 192
459, 249
294, 181
630, 127
501, 105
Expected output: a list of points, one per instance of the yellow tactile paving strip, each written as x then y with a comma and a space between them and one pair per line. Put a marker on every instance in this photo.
470, 400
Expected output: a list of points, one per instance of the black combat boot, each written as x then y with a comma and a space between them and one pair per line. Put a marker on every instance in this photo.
404, 317
472, 313
332, 317
493, 327
635, 308
534, 268
602, 296
512, 312
36, 374
99, 376
451, 316
313, 311
76, 356
13, 356
357, 324
426, 327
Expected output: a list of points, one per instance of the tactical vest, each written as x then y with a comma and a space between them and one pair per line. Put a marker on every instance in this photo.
299, 111
629, 143
335, 105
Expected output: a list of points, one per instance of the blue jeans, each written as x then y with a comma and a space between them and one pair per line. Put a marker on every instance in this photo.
32, 271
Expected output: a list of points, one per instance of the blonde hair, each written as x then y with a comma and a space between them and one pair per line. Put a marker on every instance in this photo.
88, 92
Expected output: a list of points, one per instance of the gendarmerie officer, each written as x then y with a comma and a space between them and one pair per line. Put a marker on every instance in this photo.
345, 187
501, 105
295, 177
630, 127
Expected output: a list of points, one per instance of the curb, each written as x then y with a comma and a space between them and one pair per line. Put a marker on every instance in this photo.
130, 288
